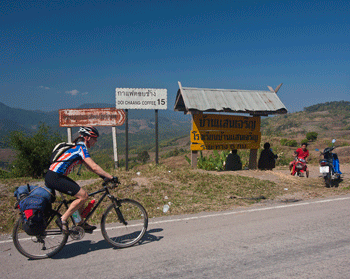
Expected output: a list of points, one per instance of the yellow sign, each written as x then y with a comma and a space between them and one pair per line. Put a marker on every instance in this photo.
224, 146
223, 132
224, 136
212, 122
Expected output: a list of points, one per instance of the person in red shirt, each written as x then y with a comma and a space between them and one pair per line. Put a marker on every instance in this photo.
302, 153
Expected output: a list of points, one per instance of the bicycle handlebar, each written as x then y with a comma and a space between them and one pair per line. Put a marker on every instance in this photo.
114, 182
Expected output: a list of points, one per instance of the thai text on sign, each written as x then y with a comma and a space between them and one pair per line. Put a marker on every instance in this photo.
225, 136
141, 98
225, 122
222, 132
223, 146
91, 117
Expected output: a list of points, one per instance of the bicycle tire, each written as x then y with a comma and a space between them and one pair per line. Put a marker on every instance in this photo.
43, 246
124, 235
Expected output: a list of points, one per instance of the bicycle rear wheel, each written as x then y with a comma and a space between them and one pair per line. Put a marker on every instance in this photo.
132, 222
42, 246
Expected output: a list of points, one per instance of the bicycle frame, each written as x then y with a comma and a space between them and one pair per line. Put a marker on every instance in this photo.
106, 193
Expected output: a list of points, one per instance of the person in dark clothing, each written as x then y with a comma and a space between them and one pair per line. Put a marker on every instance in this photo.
233, 161
267, 158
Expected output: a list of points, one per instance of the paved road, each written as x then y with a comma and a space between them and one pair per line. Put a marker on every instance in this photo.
297, 240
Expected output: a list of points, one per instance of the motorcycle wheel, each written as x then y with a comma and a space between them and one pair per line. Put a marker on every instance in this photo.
328, 180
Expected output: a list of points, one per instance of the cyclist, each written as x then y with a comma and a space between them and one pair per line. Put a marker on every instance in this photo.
56, 178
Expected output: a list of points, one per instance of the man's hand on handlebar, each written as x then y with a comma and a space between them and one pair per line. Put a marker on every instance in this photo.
113, 180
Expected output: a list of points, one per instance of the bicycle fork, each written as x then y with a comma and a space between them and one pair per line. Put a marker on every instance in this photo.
117, 205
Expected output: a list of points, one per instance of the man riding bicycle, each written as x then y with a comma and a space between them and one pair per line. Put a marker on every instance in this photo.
56, 178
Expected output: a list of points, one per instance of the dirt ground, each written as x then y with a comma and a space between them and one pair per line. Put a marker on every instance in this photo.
297, 188
282, 173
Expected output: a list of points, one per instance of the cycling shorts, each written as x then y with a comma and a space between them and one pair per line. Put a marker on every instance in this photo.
61, 183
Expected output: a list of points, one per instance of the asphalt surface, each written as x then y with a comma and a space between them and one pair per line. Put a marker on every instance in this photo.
308, 239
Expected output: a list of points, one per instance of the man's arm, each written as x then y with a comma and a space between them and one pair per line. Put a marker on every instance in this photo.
91, 165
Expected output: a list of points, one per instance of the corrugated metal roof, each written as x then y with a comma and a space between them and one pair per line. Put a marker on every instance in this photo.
228, 100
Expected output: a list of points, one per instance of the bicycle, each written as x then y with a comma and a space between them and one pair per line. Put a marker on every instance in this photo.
131, 226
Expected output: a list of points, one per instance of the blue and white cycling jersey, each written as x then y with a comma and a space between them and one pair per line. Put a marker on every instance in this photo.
72, 157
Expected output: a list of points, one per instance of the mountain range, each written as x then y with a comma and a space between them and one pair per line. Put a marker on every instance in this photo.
28, 121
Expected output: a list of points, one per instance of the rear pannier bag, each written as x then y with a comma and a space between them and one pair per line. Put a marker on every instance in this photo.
34, 202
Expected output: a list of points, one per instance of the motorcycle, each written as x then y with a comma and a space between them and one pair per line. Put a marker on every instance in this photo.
329, 165
299, 167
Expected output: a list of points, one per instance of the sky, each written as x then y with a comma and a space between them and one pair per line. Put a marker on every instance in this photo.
62, 54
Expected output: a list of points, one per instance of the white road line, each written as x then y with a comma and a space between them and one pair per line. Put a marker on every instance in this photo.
247, 211
231, 213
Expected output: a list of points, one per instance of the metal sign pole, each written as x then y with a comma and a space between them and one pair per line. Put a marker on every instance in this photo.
156, 116
126, 140
69, 134
115, 148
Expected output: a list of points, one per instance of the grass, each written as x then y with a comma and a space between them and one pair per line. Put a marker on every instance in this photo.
187, 191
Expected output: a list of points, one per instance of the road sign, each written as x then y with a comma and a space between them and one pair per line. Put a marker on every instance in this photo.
205, 122
224, 146
223, 132
91, 117
224, 136
141, 98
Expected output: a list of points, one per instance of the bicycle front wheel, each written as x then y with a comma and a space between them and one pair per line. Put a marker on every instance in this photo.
132, 222
41, 246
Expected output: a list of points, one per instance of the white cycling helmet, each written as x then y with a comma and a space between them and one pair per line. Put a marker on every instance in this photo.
89, 131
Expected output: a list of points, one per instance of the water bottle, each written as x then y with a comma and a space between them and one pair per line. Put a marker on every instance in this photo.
87, 209
76, 217
165, 208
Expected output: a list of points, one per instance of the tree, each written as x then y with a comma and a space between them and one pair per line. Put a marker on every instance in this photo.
143, 156
311, 136
33, 152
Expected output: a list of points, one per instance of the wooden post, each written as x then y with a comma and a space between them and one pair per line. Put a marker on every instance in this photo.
253, 157
69, 134
194, 159
194, 154
115, 148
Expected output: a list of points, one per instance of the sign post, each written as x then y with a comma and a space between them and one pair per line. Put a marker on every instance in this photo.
141, 98
69, 134
93, 117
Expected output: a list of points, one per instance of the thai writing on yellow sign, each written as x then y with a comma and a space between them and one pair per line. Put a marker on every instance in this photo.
205, 122
212, 132
223, 146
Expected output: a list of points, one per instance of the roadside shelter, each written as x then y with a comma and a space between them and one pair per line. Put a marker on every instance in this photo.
253, 102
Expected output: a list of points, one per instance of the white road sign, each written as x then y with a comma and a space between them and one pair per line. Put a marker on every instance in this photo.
141, 98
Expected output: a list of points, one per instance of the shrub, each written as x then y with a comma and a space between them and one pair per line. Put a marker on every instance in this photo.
286, 142
213, 162
174, 152
304, 141
311, 136
33, 152
143, 156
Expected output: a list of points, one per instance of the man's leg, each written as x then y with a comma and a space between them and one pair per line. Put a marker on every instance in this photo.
82, 197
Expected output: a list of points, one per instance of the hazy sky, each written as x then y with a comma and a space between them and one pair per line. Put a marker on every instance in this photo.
61, 54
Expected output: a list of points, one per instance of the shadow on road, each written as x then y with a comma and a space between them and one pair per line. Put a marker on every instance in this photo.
78, 248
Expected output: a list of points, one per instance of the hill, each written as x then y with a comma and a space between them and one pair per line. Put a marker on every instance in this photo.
170, 123
329, 120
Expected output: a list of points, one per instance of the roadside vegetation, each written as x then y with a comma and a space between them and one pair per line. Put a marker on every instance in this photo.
173, 182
